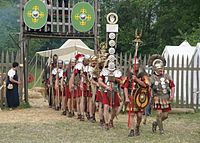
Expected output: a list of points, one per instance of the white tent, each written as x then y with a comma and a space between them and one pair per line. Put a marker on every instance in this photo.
68, 50
184, 50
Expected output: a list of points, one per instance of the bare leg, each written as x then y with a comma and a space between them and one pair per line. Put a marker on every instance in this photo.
106, 115
72, 102
164, 116
131, 133
159, 120
82, 107
101, 114
113, 115
64, 107
78, 106
90, 106
139, 119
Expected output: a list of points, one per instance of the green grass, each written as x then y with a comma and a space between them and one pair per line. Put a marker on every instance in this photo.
24, 105
179, 128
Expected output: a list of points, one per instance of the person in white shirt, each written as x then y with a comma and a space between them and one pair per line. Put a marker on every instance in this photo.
12, 83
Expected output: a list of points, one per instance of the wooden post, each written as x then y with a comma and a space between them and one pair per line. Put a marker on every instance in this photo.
7, 68
192, 85
145, 61
26, 43
51, 16
182, 82
63, 17
12, 57
21, 35
57, 15
168, 65
187, 85
172, 69
177, 82
2, 82
197, 79
125, 63
69, 19
130, 60
95, 27
7, 61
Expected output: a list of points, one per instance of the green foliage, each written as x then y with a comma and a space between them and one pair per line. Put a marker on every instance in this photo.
194, 37
4, 3
163, 22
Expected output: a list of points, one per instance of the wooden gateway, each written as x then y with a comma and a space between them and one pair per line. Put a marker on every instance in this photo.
59, 24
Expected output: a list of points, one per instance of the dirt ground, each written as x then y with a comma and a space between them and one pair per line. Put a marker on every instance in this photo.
40, 124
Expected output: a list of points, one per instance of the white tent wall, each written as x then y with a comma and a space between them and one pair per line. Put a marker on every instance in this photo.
68, 50
184, 51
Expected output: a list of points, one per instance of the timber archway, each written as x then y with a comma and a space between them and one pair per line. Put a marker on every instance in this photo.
58, 25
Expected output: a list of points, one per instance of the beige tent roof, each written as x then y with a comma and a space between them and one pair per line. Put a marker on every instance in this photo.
68, 50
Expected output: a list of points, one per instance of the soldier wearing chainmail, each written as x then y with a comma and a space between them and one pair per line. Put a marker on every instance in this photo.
71, 95
59, 84
163, 89
66, 76
77, 81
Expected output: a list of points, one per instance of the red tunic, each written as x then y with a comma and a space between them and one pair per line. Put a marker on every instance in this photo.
107, 98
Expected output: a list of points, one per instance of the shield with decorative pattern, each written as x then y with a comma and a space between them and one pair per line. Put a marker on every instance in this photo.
142, 97
83, 17
35, 14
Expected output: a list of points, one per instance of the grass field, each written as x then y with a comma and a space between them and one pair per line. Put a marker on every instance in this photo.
43, 125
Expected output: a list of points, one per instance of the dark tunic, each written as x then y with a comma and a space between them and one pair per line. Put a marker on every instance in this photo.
12, 95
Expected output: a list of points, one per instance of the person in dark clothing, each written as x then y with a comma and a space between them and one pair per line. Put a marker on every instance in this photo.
12, 83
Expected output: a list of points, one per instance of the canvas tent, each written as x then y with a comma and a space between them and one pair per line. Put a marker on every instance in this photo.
184, 51
68, 50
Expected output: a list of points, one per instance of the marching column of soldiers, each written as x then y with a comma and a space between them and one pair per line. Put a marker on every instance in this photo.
82, 86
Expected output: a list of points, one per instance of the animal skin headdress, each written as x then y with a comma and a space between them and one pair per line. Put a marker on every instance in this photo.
157, 61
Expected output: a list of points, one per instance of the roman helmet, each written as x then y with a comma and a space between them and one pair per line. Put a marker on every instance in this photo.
157, 62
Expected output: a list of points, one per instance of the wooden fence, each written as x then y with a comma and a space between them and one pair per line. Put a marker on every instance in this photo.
184, 71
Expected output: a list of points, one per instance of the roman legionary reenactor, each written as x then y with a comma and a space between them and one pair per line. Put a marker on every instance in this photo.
66, 76
93, 86
76, 81
71, 95
102, 56
136, 90
86, 85
109, 80
163, 89
46, 81
52, 79
58, 84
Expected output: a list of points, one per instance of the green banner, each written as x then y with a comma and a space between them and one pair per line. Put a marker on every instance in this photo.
35, 14
83, 17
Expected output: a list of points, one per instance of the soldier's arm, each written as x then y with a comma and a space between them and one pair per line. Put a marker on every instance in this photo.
125, 89
101, 83
95, 83
140, 81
